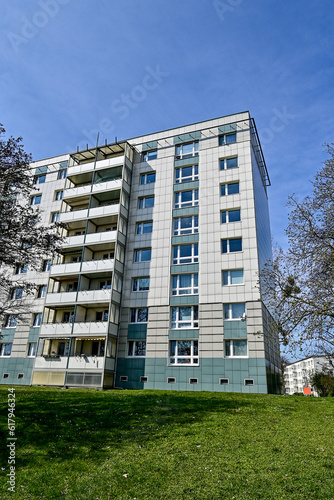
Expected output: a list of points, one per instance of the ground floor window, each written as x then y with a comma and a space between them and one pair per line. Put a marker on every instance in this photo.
183, 352
235, 348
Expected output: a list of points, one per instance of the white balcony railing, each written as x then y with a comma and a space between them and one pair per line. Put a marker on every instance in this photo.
89, 266
88, 167
74, 362
61, 298
91, 328
56, 329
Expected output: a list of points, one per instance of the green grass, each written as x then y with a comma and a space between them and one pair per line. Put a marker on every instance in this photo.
86, 444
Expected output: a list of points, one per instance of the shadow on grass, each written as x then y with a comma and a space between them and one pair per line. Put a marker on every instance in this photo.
62, 424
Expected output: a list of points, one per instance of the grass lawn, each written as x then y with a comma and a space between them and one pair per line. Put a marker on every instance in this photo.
87, 444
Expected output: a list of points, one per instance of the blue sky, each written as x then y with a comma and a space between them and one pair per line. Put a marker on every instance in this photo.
68, 68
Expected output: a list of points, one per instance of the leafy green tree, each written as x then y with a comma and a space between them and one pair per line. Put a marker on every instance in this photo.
298, 285
24, 241
323, 383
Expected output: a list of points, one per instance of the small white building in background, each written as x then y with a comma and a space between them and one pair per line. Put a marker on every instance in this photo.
297, 375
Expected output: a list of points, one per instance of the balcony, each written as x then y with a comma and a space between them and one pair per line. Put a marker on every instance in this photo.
91, 328
61, 299
83, 362
101, 164
91, 239
56, 329
95, 296
74, 268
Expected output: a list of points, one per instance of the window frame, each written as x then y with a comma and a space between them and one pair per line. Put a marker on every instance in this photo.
3, 347
178, 259
139, 253
62, 174
227, 215
36, 200
59, 195
227, 274
21, 269
137, 280
231, 343
37, 320
150, 154
224, 188
134, 315
228, 240
16, 291
37, 179
177, 323
46, 266
227, 163
191, 290
55, 217
193, 177
222, 139
144, 178
179, 231
178, 203
134, 346
9, 319
31, 346
140, 227
175, 358
142, 201
179, 154
42, 291
230, 315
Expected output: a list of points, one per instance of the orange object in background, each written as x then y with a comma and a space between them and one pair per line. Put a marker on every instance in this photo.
307, 391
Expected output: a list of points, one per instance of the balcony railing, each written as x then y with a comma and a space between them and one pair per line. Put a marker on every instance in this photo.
100, 211
101, 164
86, 189
81, 297
85, 362
89, 266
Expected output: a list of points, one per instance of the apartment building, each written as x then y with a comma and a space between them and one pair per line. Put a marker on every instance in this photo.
157, 283
297, 375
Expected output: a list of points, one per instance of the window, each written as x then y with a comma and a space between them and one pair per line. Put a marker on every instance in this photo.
171, 380
59, 195
6, 349
187, 150
136, 348
186, 225
249, 381
63, 348
32, 349
36, 200
185, 254
230, 216
146, 202
185, 284
223, 381
233, 277
183, 352
184, 317
37, 319
102, 315
186, 174
144, 227
235, 311
226, 163
103, 284
21, 269
144, 379
143, 255
150, 155
148, 178
39, 179
11, 321
68, 317
17, 293
55, 217
62, 174
230, 188
232, 245
46, 265
5, 375
227, 139
141, 284
235, 348
186, 199
139, 315
41, 291
20, 375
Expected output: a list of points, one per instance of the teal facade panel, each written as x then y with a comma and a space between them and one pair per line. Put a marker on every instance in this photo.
235, 330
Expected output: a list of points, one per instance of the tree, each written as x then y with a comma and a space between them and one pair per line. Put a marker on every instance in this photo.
298, 285
24, 241
323, 383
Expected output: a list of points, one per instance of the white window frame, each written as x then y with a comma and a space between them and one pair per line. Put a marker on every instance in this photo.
133, 344
32, 346
228, 308
222, 139
141, 225
36, 199
12, 318
177, 323
231, 343
59, 195
134, 314
137, 288
3, 349
179, 179
176, 358
178, 203
142, 202
37, 320
229, 277
21, 269
225, 185
138, 255
178, 290
42, 291
228, 246
179, 153
149, 155
62, 174
192, 259
224, 162
144, 178
227, 212
181, 231
16, 291
37, 179
55, 217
